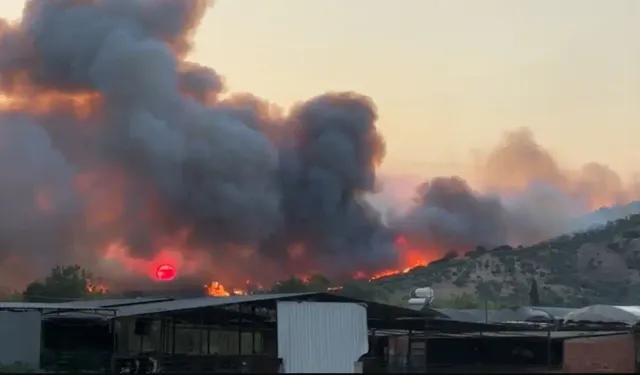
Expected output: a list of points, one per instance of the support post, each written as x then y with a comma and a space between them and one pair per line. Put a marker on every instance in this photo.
239, 329
426, 345
253, 330
173, 337
409, 349
549, 347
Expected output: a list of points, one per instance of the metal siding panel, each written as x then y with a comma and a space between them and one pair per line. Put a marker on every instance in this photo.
116, 302
198, 303
20, 337
37, 306
321, 337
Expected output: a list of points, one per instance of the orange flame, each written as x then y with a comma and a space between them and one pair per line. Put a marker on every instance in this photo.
96, 288
410, 258
215, 289
239, 292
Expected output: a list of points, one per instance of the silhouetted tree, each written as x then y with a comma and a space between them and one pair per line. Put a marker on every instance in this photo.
481, 249
63, 283
9, 296
534, 296
290, 285
318, 283
360, 290
463, 301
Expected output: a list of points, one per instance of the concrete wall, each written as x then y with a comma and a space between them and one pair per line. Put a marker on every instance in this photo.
600, 354
20, 334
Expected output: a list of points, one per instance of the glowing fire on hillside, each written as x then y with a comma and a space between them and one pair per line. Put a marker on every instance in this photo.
169, 265
119, 154
96, 288
410, 258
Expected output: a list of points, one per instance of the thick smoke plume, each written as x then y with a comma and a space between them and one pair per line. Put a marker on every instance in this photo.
526, 197
118, 153
109, 135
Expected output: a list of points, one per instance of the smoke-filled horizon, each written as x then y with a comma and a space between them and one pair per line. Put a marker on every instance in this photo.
520, 195
117, 153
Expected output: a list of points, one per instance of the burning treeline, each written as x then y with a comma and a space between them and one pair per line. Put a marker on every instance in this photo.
119, 154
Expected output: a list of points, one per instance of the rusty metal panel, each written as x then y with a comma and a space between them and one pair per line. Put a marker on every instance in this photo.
611, 354
321, 337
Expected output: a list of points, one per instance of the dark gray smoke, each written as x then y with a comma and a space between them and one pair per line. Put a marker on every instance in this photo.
38, 176
527, 197
110, 135
326, 166
449, 215
168, 151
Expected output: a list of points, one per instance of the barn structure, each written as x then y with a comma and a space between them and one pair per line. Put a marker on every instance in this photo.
299, 332
26, 334
592, 339
510, 348
252, 333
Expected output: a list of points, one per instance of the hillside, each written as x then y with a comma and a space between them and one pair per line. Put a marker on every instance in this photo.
596, 266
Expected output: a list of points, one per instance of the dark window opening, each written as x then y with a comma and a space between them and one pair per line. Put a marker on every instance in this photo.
488, 351
73, 345
74, 334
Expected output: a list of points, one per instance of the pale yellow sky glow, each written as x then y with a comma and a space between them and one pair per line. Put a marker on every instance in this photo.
448, 76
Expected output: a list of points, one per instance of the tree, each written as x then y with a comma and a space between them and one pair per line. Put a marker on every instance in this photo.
481, 249
318, 283
315, 283
291, 285
462, 301
359, 290
534, 296
466, 301
10, 296
63, 283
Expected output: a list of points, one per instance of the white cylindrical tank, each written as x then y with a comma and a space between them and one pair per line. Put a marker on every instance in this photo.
423, 292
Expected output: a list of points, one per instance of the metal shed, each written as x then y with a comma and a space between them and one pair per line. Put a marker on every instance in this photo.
21, 330
605, 314
265, 327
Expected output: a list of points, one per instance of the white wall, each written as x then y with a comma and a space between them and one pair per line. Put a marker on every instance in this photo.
321, 337
20, 334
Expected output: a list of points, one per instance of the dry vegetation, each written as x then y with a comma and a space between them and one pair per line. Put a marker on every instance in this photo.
596, 266
591, 267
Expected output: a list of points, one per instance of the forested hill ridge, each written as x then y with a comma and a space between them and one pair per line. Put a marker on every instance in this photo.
597, 266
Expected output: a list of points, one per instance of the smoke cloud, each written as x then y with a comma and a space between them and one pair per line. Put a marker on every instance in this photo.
525, 197
113, 146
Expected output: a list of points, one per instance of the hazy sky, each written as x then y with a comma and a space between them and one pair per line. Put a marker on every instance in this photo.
448, 76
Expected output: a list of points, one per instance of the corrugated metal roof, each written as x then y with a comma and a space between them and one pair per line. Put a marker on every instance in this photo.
555, 312
40, 306
522, 313
606, 314
154, 305
199, 303
635, 310
541, 334
114, 302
